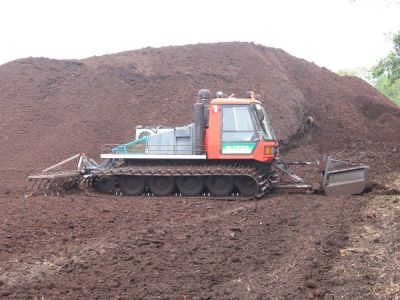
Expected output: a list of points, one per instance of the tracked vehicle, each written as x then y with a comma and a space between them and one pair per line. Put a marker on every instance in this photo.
229, 151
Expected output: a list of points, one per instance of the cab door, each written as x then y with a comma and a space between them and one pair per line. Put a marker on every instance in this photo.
238, 130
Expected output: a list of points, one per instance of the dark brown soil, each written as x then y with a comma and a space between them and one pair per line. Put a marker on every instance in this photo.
80, 247
77, 246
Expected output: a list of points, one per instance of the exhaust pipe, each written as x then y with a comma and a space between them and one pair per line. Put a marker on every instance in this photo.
204, 97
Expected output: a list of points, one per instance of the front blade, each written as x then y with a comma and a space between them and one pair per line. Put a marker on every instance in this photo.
346, 181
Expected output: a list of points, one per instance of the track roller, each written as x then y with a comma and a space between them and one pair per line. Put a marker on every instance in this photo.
220, 185
190, 185
161, 185
104, 184
132, 185
246, 185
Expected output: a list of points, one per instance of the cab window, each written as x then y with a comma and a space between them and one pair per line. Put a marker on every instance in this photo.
237, 124
267, 132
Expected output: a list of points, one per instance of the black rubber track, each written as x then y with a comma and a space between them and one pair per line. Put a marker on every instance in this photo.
179, 174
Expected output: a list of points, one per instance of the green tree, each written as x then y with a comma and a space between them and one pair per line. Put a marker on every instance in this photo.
385, 76
390, 90
390, 65
386, 73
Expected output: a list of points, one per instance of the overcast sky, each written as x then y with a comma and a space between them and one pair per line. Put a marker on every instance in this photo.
332, 33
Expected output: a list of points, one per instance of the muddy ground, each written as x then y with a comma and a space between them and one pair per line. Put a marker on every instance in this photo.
121, 247
284, 246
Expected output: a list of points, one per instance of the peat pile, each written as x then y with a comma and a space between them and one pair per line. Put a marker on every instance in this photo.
283, 246
52, 109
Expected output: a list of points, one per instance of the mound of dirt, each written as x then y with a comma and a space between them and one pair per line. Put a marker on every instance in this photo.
52, 109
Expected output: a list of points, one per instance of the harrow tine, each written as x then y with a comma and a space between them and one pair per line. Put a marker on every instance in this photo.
41, 182
52, 185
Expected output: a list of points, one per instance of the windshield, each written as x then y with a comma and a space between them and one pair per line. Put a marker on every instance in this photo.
238, 124
263, 123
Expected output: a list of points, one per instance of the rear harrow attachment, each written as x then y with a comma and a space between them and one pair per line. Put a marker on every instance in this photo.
53, 184
49, 182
